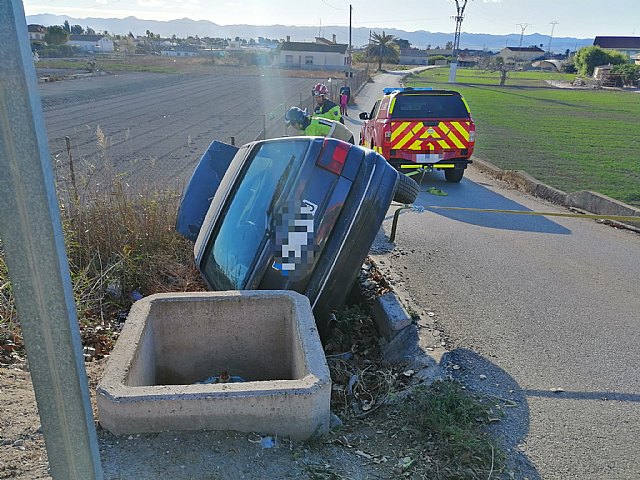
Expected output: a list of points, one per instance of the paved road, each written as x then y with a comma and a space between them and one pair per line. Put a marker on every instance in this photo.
547, 309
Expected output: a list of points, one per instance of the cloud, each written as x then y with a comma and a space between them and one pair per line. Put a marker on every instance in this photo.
151, 3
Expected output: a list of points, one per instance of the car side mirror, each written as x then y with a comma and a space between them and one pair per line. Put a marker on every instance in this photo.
364, 116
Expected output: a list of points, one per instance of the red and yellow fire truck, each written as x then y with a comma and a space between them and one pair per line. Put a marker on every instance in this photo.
421, 128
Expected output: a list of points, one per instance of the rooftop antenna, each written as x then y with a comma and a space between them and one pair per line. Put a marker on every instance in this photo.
523, 27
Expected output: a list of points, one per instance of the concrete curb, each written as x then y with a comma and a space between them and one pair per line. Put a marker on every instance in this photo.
591, 202
404, 339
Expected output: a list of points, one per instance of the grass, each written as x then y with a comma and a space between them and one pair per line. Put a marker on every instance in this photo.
436, 431
570, 139
119, 243
451, 424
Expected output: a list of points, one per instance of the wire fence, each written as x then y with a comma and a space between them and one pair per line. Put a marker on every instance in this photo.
165, 149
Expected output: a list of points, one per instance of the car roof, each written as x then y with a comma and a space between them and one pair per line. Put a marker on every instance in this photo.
391, 91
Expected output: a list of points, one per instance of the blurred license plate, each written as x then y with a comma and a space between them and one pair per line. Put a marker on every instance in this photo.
429, 157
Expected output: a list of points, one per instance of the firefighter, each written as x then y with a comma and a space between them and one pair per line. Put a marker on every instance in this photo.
317, 126
324, 107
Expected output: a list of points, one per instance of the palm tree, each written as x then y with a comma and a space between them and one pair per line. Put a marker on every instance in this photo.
383, 48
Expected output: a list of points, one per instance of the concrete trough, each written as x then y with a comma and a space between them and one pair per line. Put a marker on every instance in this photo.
172, 341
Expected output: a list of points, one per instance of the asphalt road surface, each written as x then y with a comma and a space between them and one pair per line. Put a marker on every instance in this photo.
543, 313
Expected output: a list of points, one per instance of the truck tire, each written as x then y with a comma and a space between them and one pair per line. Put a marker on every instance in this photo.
407, 190
453, 175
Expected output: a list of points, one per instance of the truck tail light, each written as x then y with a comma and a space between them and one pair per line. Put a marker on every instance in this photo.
334, 154
387, 135
472, 136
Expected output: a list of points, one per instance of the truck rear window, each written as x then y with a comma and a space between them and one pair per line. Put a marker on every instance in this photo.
429, 106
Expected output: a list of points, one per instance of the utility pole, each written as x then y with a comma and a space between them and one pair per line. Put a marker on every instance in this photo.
456, 41
523, 27
350, 70
553, 26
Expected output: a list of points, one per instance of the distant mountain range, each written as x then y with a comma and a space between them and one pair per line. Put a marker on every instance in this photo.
203, 28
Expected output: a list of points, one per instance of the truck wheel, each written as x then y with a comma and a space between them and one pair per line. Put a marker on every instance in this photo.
407, 190
453, 175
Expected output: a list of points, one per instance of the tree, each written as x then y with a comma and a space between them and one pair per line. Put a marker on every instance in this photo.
56, 35
497, 64
449, 45
89, 31
588, 58
77, 30
403, 44
66, 26
629, 72
383, 48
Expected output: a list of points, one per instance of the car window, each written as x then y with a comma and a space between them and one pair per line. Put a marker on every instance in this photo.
244, 225
429, 106
374, 110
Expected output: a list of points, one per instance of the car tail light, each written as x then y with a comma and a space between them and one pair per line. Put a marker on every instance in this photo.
387, 133
333, 156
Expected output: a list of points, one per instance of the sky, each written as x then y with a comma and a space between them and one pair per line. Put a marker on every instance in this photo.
563, 18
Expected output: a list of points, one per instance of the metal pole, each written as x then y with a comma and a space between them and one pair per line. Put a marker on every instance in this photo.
553, 26
523, 27
32, 237
350, 71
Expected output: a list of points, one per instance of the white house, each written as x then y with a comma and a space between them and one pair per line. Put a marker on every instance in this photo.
326, 55
92, 43
36, 32
521, 54
180, 51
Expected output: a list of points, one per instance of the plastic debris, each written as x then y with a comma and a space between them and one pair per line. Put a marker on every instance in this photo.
136, 295
267, 442
224, 377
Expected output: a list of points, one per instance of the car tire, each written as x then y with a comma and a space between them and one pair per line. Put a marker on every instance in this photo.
453, 175
407, 190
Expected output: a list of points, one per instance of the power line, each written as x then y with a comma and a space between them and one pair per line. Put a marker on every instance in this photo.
336, 8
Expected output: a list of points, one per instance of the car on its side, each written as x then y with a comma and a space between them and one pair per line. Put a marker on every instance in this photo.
421, 128
294, 213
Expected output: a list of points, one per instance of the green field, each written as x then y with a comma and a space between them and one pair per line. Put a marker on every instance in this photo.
570, 139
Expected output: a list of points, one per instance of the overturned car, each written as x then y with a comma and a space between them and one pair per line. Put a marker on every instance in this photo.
295, 213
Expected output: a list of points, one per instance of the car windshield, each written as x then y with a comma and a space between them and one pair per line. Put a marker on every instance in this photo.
244, 225
429, 106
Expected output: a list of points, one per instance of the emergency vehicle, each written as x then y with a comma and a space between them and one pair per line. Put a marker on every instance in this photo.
421, 128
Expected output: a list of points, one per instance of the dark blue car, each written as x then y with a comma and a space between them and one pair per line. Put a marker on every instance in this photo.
296, 213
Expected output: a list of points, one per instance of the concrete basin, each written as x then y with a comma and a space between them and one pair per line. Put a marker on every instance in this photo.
263, 343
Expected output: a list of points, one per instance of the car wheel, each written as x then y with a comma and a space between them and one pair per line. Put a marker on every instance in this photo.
407, 190
453, 175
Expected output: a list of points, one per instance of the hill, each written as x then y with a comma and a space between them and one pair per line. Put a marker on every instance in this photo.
184, 27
